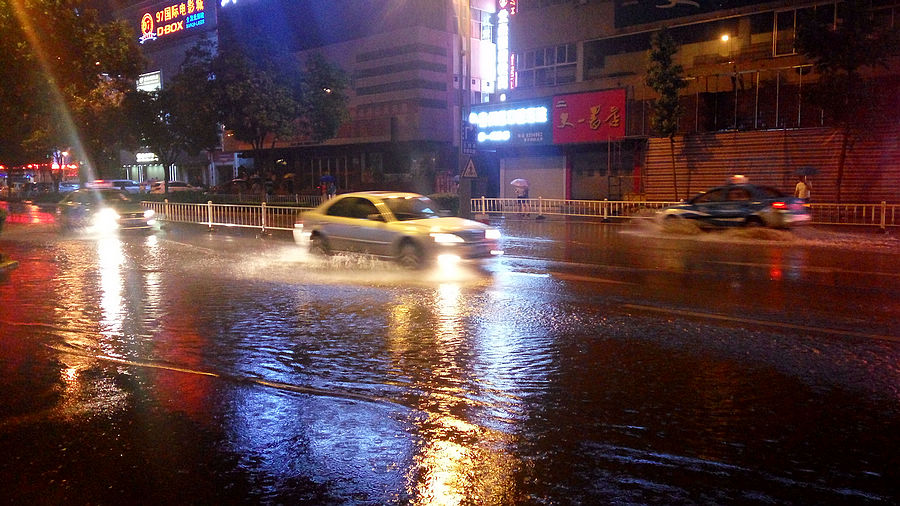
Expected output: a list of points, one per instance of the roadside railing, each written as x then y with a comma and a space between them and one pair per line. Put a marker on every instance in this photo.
262, 216
265, 216
881, 215
604, 209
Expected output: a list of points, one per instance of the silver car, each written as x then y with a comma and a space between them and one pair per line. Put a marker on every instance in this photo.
406, 227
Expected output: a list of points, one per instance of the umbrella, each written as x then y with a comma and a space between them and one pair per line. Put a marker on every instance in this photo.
807, 171
327, 178
519, 182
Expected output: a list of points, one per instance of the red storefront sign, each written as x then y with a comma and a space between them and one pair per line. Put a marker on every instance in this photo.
597, 116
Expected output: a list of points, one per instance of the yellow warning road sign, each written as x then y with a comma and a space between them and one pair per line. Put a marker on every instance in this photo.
469, 171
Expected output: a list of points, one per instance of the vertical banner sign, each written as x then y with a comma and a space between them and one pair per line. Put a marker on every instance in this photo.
506, 68
598, 116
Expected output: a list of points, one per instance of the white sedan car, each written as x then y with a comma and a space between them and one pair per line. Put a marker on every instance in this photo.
403, 226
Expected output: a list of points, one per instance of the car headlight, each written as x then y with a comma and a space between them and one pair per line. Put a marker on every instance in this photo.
492, 234
106, 218
442, 238
149, 213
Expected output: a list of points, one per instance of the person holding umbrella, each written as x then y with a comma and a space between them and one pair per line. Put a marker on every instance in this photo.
329, 183
803, 187
521, 187
801, 191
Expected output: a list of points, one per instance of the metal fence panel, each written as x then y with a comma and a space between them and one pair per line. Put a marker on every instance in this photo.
271, 217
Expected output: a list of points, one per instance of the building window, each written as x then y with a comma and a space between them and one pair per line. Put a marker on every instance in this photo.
481, 24
787, 22
548, 66
537, 4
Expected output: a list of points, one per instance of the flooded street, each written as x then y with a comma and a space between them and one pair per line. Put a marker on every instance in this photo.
592, 364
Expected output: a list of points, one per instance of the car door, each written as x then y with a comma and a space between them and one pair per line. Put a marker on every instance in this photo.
370, 233
347, 225
709, 206
735, 207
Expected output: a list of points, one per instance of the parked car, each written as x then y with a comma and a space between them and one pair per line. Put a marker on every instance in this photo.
103, 209
234, 187
68, 186
406, 227
741, 204
125, 185
174, 186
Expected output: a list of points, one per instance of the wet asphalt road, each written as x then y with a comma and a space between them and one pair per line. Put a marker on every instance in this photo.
593, 364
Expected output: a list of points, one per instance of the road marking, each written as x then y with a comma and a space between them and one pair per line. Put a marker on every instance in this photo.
589, 279
765, 323
239, 379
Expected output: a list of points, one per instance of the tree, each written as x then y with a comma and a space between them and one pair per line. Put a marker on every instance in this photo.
323, 98
60, 67
840, 53
182, 118
255, 103
664, 76
265, 92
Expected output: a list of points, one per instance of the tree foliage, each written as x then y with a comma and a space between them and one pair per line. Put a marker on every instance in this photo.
840, 54
323, 98
181, 118
255, 101
64, 72
664, 76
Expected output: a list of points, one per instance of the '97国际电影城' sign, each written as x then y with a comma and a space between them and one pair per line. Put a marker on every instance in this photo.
167, 19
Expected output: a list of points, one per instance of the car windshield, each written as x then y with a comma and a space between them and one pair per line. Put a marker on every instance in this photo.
113, 196
412, 208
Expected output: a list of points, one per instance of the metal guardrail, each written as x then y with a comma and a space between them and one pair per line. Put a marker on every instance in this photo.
558, 207
272, 217
261, 216
881, 215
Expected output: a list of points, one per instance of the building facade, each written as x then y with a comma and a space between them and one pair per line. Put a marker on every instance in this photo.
416, 66
746, 102
166, 30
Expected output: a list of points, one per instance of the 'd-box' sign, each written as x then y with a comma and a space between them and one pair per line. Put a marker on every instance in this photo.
597, 116
170, 19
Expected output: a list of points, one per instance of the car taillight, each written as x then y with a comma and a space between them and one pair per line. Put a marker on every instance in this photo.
779, 205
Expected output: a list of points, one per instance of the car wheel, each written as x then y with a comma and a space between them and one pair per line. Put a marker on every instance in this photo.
318, 245
410, 256
754, 222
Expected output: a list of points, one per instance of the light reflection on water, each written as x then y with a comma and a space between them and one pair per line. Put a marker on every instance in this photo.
481, 384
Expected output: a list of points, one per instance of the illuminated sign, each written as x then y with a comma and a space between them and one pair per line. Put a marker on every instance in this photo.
589, 117
145, 157
512, 124
506, 69
173, 18
150, 81
506, 117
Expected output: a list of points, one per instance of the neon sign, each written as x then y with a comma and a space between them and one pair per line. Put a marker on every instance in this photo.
506, 69
513, 124
505, 117
171, 19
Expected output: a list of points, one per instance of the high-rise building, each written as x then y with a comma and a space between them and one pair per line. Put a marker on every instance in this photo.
576, 119
416, 66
